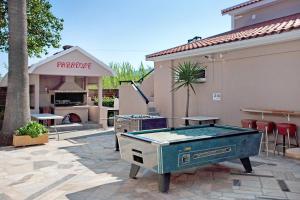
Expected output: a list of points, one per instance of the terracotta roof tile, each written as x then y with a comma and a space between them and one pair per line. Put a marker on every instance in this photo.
271, 27
241, 5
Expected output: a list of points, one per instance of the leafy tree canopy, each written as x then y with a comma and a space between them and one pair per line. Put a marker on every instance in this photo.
43, 27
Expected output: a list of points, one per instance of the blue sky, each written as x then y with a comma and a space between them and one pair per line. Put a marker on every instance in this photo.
127, 30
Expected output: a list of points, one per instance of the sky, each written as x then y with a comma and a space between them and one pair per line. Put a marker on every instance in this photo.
127, 30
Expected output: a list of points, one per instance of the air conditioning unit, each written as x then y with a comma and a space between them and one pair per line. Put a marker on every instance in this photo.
202, 80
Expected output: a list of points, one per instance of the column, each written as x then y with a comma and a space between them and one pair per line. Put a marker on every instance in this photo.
102, 110
36, 93
100, 92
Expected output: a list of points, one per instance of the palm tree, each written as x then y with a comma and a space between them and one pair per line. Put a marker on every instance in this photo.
17, 111
186, 75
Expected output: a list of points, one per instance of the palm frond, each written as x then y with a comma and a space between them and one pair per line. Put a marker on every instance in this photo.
186, 74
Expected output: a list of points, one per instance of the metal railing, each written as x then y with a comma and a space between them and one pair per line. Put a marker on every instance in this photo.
136, 87
140, 80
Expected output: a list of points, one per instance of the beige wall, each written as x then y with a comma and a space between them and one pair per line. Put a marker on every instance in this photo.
162, 89
263, 77
81, 111
130, 101
280, 9
94, 112
147, 86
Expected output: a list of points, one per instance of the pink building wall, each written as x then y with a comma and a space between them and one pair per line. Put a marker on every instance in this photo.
262, 77
278, 9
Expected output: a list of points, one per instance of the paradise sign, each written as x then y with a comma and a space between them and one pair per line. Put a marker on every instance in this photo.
73, 65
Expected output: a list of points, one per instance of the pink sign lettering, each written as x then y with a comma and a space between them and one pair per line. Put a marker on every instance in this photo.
73, 65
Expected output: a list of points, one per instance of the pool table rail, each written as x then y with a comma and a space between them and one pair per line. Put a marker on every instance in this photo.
136, 135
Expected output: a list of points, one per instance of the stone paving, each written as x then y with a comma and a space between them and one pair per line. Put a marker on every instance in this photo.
89, 168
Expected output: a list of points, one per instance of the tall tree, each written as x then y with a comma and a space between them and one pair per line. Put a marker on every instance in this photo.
17, 111
186, 75
26, 28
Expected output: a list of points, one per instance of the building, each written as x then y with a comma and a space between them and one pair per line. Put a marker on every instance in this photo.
256, 65
59, 85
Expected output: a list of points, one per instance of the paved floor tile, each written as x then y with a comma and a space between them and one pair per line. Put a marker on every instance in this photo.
89, 168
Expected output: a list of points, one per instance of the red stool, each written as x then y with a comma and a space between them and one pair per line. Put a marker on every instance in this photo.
286, 129
265, 127
249, 123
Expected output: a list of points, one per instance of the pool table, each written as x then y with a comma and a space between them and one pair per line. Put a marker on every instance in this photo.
173, 149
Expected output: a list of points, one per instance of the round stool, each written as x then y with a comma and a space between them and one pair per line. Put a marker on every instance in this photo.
265, 127
285, 129
249, 123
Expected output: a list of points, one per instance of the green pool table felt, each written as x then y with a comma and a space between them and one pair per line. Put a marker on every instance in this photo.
187, 134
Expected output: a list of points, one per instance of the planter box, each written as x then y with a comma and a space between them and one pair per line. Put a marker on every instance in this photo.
25, 140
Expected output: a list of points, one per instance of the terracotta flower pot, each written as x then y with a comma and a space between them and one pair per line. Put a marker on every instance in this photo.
26, 140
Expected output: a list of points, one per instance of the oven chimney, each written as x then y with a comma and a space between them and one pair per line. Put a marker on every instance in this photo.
65, 47
194, 39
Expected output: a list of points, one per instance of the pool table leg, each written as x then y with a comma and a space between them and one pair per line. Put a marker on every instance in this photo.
133, 171
116, 143
164, 182
247, 164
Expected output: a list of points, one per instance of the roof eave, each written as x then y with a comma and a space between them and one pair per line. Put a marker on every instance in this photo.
266, 40
244, 9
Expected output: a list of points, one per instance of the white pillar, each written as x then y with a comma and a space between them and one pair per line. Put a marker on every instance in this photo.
36, 93
100, 92
86, 82
101, 109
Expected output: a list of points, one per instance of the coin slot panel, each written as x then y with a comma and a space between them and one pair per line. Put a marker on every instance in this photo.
138, 159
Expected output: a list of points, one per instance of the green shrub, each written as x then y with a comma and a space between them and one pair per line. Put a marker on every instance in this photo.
96, 101
33, 129
108, 102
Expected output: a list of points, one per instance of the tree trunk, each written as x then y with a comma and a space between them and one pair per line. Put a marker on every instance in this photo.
187, 105
17, 111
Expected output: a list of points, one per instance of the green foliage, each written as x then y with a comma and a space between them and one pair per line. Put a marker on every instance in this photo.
186, 74
108, 102
124, 72
43, 27
33, 129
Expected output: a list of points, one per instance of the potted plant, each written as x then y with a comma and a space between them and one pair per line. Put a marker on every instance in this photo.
32, 133
110, 120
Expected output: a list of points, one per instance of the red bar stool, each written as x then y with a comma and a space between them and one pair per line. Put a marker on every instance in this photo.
249, 123
265, 127
284, 129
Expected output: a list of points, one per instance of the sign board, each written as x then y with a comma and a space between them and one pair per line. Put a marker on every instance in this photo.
217, 96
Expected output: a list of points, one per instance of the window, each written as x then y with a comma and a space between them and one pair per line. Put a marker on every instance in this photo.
202, 76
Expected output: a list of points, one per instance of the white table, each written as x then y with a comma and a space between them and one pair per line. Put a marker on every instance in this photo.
48, 116
201, 119
287, 113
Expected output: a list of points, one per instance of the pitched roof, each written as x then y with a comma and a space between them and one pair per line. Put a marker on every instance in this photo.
271, 27
33, 67
241, 5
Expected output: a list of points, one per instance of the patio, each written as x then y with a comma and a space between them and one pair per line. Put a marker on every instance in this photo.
87, 167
